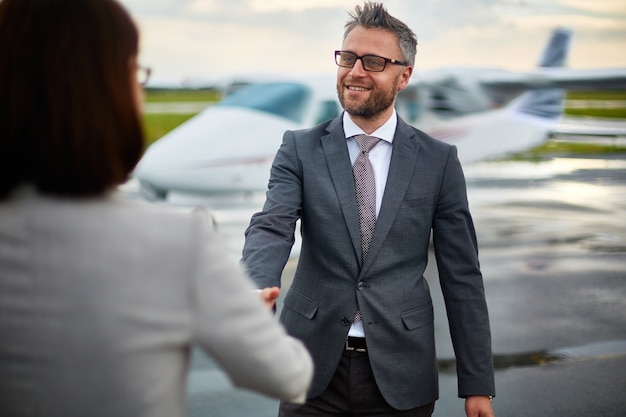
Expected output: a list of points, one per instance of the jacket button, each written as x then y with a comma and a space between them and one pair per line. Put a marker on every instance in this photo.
362, 286
345, 321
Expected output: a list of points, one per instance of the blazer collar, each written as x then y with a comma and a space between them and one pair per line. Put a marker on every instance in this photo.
338, 160
401, 167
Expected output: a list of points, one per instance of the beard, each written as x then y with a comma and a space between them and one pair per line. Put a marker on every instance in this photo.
378, 101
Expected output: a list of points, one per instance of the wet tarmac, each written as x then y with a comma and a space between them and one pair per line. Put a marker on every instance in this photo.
552, 239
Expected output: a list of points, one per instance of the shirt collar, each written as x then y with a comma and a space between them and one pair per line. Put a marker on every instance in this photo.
385, 132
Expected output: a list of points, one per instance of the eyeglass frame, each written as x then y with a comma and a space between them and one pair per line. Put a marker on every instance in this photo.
145, 72
356, 58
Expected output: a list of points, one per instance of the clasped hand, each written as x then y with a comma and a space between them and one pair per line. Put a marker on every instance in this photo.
269, 296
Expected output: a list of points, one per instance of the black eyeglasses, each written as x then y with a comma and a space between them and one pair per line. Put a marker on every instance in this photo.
143, 74
371, 63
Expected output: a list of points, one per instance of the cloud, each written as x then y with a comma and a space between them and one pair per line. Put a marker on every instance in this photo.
222, 37
612, 7
298, 6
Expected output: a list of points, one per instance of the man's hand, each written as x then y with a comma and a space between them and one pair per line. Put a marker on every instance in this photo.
478, 406
269, 296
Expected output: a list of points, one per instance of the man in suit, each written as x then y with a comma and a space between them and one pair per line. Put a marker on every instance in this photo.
383, 363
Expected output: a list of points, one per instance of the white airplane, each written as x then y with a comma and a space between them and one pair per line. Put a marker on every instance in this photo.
486, 113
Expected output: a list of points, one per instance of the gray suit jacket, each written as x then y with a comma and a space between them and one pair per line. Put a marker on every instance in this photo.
101, 301
311, 179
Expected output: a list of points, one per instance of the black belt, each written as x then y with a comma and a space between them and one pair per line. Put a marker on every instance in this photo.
355, 344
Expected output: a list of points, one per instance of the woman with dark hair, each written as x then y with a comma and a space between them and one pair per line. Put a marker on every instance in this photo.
69, 99
102, 299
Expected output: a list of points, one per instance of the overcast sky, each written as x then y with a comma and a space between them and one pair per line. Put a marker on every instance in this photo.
221, 38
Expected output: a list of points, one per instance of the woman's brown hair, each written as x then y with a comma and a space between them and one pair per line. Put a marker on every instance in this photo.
69, 124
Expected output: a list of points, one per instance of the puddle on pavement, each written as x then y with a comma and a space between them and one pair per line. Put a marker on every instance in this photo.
589, 351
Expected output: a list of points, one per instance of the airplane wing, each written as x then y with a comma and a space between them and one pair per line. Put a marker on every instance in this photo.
562, 78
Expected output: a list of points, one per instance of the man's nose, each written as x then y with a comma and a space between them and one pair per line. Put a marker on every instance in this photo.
358, 68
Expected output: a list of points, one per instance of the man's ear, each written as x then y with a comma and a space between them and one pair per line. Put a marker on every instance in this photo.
405, 76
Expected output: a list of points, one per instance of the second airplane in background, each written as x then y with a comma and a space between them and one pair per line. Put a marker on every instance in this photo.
486, 113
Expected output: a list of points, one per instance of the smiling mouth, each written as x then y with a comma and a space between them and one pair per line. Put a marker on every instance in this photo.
356, 88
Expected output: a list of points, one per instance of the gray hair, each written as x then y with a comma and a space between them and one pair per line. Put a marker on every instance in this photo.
375, 16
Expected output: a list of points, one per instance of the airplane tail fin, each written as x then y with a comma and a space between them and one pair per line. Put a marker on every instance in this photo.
557, 49
547, 103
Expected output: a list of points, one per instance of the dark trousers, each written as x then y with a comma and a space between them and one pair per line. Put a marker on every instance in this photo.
351, 393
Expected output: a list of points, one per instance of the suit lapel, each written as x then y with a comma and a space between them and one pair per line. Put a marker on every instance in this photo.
402, 165
338, 159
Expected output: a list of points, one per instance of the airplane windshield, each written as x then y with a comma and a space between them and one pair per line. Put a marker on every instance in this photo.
281, 99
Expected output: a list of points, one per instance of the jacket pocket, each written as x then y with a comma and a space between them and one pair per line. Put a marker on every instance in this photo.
418, 317
300, 304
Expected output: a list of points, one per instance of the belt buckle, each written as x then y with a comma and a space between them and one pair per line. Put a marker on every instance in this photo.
353, 349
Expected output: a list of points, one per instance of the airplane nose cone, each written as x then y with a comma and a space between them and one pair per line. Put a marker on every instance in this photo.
220, 149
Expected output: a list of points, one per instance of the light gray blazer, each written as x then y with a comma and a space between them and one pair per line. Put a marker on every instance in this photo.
311, 179
101, 300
